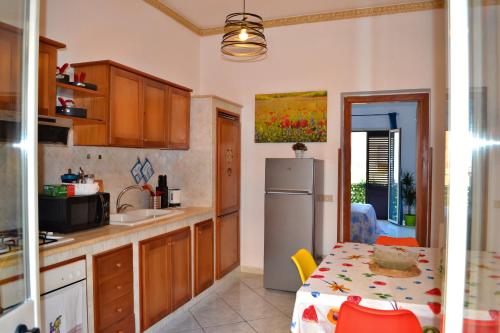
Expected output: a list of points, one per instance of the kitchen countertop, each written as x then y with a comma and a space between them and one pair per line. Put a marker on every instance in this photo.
86, 239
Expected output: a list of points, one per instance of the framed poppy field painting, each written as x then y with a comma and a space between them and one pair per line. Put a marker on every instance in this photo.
291, 117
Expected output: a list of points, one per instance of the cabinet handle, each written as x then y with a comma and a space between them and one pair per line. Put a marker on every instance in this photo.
119, 310
120, 331
118, 264
118, 287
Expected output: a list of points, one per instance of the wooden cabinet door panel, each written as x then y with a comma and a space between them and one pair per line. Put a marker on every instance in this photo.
204, 256
180, 256
10, 69
228, 165
154, 280
179, 117
112, 284
155, 114
47, 64
125, 108
228, 243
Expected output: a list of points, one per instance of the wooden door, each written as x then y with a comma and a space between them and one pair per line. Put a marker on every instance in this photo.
10, 69
203, 256
228, 243
125, 108
178, 123
155, 114
180, 257
47, 64
155, 283
228, 164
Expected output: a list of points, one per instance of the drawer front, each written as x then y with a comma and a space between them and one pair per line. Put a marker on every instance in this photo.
126, 325
115, 311
115, 288
113, 264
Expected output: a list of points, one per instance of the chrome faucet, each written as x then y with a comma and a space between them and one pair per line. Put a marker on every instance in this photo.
120, 208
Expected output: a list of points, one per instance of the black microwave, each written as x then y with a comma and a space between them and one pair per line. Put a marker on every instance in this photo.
70, 214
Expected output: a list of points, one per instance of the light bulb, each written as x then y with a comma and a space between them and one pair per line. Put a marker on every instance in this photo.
243, 35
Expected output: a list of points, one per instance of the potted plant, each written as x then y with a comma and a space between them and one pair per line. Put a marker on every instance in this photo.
409, 195
299, 148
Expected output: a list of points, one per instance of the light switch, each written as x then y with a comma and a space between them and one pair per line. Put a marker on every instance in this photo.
496, 203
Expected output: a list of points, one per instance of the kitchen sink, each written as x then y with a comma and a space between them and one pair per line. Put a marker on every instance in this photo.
149, 212
139, 216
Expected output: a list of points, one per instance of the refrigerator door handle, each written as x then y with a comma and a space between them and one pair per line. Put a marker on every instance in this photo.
284, 191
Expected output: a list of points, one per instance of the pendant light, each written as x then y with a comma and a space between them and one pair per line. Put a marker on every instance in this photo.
244, 36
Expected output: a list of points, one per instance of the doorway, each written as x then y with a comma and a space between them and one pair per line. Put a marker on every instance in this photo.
382, 198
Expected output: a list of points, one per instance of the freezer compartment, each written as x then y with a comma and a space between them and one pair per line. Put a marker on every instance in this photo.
289, 226
290, 175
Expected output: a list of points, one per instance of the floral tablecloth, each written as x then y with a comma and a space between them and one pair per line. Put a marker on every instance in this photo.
344, 276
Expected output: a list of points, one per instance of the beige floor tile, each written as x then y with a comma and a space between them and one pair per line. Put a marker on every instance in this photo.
277, 324
254, 281
282, 300
231, 328
181, 322
213, 311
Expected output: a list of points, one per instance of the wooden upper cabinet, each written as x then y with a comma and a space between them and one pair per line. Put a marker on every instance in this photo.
141, 110
125, 116
47, 64
10, 69
179, 117
155, 114
203, 256
228, 243
228, 164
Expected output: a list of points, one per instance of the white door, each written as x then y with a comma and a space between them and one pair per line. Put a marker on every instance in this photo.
18, 165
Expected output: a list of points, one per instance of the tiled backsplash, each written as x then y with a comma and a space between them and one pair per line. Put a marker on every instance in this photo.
190, 170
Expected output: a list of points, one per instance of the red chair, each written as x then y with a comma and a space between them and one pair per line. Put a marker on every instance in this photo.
393, 241
481, 326
356, 318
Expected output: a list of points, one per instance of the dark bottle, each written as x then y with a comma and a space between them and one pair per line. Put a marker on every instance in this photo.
163, 189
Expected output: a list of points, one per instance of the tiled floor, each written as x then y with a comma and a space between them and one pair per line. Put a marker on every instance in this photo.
239, 305
390, 229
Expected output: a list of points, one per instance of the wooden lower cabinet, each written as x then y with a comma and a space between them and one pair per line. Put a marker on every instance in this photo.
165, 275
113, 291
203, 256
228, 243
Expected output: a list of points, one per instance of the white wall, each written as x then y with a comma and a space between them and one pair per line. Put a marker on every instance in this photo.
127, 31
404, 51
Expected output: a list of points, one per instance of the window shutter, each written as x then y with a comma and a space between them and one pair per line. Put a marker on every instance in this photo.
378, 158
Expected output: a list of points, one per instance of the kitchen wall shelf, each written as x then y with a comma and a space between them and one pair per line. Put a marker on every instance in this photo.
83, 121
64, 88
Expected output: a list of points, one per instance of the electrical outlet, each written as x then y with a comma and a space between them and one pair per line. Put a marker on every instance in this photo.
325, 197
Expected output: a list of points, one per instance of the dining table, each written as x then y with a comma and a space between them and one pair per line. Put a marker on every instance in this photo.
345, 275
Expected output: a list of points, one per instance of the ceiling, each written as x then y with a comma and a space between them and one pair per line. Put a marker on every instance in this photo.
206, 14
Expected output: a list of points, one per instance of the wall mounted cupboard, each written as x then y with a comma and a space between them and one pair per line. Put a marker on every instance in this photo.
136, 109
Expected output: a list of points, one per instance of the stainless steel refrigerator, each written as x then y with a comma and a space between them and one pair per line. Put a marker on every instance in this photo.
293, 217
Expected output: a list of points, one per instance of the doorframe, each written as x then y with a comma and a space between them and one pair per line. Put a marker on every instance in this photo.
423, 176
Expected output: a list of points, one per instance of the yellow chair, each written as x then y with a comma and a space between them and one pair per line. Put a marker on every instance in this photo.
305, 263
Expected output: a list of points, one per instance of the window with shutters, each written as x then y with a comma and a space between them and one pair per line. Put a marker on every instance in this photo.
377, 162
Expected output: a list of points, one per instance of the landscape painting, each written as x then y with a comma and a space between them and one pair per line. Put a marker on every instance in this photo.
291, 117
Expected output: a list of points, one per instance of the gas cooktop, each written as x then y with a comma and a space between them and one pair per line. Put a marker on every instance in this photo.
12, 240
